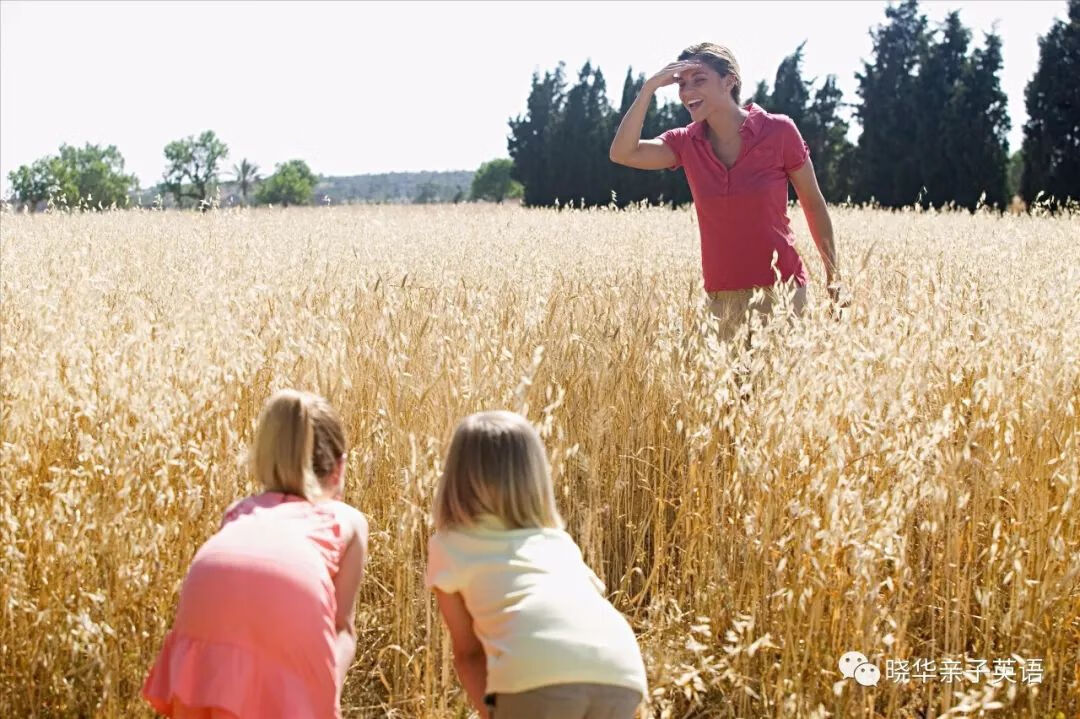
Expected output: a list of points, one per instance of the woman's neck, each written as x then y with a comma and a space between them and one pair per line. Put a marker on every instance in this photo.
725, 123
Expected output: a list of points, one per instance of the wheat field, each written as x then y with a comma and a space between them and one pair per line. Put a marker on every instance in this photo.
902, 481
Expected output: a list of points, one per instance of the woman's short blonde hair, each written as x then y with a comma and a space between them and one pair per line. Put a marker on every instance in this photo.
298, 443
719, 58
496, 465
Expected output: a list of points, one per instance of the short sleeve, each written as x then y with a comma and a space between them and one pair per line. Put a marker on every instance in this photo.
442, 572
794, 149
675, 139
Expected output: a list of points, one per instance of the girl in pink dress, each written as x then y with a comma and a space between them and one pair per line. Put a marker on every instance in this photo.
264, 625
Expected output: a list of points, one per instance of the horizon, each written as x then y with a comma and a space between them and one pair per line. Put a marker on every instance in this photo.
474, 81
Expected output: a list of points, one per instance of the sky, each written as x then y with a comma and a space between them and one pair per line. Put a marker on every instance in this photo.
356, 88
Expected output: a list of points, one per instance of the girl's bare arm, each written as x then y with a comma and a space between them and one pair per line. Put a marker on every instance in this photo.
470, 661
347, 583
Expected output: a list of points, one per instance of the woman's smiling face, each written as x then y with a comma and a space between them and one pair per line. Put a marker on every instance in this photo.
703, 90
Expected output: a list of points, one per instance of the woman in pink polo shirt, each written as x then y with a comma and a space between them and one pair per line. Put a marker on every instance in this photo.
738, 161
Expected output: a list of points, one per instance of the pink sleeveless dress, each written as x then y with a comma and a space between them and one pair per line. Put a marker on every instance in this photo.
255, 625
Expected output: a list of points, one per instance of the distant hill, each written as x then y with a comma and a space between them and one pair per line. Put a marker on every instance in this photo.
390, 187
396, 187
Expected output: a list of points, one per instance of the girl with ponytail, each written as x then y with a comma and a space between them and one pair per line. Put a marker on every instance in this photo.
264, 624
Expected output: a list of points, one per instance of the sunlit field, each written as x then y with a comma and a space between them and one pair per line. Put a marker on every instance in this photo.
903, 481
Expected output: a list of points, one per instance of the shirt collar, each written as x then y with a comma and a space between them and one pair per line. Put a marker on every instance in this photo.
750, 125
486, 523
489, 522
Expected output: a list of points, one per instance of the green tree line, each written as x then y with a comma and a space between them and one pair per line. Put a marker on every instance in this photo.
94, 177
930, 105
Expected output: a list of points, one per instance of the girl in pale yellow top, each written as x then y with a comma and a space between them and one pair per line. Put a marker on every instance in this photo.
533, 635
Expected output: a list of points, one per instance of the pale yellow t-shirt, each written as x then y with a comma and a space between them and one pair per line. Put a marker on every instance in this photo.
537, 608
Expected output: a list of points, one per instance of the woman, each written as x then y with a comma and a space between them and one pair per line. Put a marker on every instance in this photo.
738, 161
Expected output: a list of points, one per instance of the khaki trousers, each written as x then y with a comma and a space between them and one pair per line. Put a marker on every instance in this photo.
567, 701
731, 307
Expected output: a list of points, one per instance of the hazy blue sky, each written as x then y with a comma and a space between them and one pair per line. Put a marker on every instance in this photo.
371, 87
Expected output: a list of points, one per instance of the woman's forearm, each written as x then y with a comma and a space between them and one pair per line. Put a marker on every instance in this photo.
821, 229
629, 134
472, 672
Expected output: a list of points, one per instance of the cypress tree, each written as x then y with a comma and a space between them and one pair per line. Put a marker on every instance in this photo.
791, 94
977, 122
532, 138
1051, 148
826, 136
887, 165
941, 69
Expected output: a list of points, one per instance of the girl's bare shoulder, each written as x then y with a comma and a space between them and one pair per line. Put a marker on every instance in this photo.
352, 520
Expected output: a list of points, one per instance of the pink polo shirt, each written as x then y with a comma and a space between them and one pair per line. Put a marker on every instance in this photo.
742, 212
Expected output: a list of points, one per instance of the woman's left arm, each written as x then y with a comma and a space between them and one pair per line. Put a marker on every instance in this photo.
817, 217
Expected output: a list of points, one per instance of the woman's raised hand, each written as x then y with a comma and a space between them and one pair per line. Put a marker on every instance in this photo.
670, 74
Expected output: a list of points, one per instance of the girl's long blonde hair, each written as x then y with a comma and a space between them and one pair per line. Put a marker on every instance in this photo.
496, 465
298, 443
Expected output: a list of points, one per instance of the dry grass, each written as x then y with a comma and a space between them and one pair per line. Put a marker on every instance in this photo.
904, 482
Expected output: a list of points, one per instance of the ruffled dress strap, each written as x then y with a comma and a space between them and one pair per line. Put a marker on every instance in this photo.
327, 533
